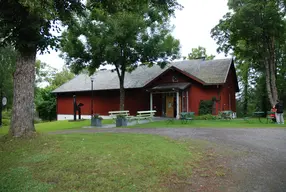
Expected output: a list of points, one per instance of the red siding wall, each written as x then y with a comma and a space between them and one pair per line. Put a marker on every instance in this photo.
198, 92
104, 101
139, 99
228, 101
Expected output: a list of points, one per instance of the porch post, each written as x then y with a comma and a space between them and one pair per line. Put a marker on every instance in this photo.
151, 101
178, 105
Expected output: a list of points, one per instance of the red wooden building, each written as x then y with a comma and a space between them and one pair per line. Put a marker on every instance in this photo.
179, 87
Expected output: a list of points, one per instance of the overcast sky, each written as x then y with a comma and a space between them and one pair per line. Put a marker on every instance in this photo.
192, 27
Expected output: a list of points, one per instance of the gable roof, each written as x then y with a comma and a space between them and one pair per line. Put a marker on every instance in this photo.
211, 72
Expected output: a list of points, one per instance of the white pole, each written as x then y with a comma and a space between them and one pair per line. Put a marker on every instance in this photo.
151, 101
178, 105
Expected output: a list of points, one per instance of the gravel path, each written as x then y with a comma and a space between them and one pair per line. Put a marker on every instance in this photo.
262, 169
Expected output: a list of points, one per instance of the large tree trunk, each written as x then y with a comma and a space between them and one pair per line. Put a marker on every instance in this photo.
268, 84
270, 72
22, 124
245, 103
272, 65
245, 81
121, 74
122, 95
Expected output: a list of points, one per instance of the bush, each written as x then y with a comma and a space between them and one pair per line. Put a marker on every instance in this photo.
205, 107
6, 114
46, 104
36, 121
5, 122
206, 117
120, 117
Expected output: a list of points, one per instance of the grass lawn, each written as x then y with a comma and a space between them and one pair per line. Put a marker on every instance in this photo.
235, 123
94, 162
58, 125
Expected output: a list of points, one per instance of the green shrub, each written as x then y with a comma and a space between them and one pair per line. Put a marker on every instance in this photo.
120, 117
6, 114
36, 121
5, 122
205, 107
206, 117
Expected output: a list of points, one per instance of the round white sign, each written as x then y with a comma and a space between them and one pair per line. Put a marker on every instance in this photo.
4, 101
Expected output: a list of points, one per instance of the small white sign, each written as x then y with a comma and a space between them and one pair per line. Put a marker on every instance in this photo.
4, 101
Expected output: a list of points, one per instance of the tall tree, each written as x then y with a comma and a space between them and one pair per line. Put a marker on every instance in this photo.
45, 100
44, 73
61, 77
260, 26
48, 79
198, 53
124, 34
27, 26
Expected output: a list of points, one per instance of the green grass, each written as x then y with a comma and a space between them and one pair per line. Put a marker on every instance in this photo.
94, 162
58, 125
235, 123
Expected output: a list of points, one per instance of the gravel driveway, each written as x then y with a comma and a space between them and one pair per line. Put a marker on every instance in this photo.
263, 169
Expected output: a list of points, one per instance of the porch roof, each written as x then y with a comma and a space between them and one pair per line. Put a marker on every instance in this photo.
171, 86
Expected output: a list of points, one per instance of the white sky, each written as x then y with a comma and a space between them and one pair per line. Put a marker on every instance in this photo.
192, 27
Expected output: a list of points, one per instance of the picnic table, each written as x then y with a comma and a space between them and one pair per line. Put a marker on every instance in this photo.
140, 115
113, 114
144, 115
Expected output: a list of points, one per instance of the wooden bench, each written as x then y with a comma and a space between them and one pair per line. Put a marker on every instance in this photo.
144, 115
226, 115
186, 116
113, 114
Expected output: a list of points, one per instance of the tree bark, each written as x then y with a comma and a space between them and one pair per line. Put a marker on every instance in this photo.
245, 103
272, 65
121, 75
270, 71
268, 83
122, 95
22, 124
245, 81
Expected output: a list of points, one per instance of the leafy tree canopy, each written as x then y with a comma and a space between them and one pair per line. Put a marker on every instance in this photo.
198, 53
26, 24
254, 30
122, 33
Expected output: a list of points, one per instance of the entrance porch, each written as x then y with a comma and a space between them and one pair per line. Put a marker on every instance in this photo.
169, 100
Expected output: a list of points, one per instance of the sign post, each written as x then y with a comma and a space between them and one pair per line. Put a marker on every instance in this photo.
3, 104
